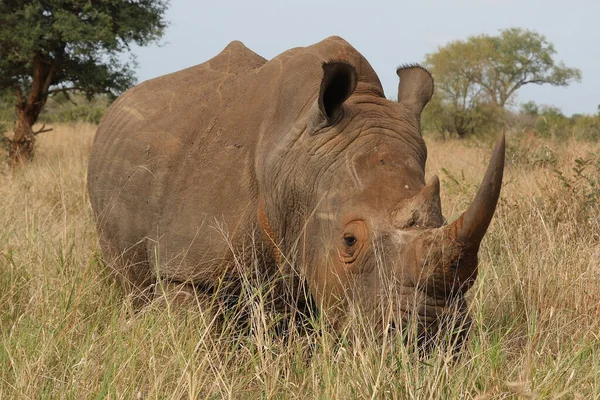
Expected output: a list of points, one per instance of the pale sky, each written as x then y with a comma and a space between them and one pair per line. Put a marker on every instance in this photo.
388, 33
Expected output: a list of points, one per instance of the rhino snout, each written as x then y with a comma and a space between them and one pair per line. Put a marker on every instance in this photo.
443, 261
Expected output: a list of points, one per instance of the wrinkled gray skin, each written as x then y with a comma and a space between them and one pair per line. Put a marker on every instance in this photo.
299, 162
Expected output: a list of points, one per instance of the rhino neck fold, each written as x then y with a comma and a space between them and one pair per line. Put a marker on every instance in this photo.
270, 236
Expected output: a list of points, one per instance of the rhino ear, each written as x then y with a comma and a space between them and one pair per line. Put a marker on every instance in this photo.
339, 82
415, 88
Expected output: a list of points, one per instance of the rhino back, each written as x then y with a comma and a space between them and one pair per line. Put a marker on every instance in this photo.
160, 147
178, 161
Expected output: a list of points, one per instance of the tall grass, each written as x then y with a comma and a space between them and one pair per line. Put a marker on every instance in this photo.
66, 330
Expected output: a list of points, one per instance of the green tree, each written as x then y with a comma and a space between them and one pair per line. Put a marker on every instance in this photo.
482, 74
530, 108
61, 46
519, 57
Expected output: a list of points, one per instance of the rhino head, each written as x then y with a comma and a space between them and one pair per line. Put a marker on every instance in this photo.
347, 196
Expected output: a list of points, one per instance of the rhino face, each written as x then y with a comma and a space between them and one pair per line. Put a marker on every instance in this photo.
371, 232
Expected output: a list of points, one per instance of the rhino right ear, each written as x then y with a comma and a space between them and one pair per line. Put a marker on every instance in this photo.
415, 88
339, 82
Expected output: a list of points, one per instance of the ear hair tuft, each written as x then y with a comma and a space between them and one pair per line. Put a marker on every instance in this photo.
412, 65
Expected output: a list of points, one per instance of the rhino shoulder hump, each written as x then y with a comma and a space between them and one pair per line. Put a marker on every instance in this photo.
236, 58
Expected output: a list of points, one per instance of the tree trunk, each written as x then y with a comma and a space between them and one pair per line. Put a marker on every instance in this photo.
22, 144
28, 109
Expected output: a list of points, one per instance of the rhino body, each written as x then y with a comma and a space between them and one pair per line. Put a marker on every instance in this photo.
298, 167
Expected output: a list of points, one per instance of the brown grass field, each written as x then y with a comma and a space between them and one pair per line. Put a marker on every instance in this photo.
67, 331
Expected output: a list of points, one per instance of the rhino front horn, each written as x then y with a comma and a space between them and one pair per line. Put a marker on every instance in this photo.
469, 229
453, 248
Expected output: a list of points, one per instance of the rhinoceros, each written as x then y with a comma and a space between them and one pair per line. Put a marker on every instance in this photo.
296, 169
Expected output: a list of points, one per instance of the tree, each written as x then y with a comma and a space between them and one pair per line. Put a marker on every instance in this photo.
530, 108
519, 57
453, 107
62, 46
484, 72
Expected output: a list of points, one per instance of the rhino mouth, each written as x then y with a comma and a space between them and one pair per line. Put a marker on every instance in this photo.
426, 311
430, 322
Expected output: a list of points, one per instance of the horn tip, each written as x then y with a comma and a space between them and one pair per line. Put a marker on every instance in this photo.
500, 150
501, 141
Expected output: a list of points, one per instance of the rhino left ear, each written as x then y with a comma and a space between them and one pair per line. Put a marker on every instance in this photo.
415, 88
339, 82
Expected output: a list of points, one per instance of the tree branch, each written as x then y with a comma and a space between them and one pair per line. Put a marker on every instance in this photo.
19, 96
63, 90
48, 80
42, 130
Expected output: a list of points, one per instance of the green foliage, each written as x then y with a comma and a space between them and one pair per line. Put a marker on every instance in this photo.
7, 108
476, 78
82, 113
585, 179
530, 108
460, 120
76, 108
518, 57
526, 156
74, 43
60, 108
6, 114
586, 127
66, 46
552, 123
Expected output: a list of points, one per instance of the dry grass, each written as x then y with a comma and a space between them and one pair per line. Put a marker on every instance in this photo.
66, 331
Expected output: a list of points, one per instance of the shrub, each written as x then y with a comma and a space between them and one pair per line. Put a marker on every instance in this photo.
527, 155
480, 120
552, 123
585, 180
586, 127
79, 113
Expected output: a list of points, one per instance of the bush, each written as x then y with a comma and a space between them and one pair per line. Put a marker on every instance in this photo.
524, 155
59, 109
485, 120
551, 123
586, 127
482, 119
3, 139
79, 113
585, 179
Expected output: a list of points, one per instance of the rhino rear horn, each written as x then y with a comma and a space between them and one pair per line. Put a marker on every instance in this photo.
339, 82
415, 88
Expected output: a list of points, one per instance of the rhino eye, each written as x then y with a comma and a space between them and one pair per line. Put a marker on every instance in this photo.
350, 241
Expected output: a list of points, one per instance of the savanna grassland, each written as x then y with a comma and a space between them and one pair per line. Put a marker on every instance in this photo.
67, 331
